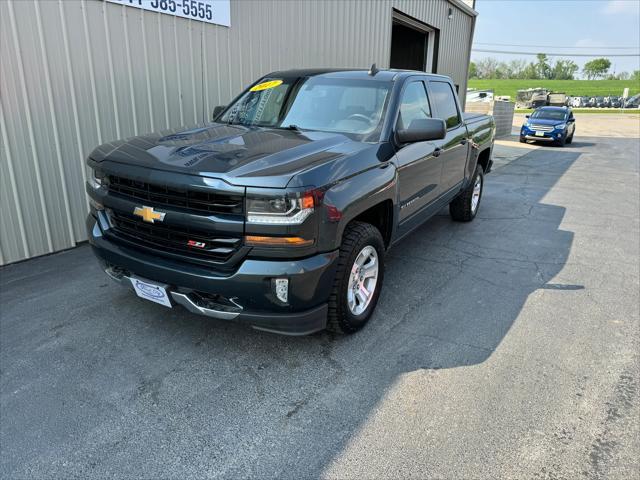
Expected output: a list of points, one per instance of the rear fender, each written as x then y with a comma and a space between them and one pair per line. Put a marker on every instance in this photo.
482, 138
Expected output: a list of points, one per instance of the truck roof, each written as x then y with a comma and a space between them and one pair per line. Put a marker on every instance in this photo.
381, 74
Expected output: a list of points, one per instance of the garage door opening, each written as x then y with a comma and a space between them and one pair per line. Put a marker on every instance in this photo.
412, 44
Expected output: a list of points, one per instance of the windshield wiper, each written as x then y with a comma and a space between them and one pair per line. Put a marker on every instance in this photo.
292, 127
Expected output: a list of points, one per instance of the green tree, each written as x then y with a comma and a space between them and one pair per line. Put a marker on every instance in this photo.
487, 67
596, 68
530, 72
500, 71
516, 68
564, 70
473, 70
635, 76
544, 69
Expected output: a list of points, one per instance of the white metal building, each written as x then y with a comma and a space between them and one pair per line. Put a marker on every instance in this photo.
78, 73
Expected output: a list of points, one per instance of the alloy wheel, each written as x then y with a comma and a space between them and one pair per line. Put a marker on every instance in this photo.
362, 280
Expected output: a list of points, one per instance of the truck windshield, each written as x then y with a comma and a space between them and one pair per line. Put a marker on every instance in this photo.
549, 114
353, 107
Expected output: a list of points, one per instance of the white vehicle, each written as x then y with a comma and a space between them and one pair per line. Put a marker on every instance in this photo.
479, 95
557, 99
531, 98
577, 102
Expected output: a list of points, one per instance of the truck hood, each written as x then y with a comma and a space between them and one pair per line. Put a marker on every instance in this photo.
239, 155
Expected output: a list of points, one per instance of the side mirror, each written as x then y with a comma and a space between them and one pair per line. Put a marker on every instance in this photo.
571, 120
217, 111
423, 130
527, 116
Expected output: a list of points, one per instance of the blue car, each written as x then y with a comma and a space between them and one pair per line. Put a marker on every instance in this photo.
549, 124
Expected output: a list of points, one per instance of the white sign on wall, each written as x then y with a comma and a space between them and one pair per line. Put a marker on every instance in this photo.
209, 11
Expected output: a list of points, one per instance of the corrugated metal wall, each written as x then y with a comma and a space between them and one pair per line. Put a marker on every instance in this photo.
78, 73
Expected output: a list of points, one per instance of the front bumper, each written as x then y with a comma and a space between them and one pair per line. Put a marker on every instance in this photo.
540, 139
247, 294
552, 136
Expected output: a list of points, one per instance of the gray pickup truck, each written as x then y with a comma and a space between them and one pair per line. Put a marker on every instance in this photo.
279, 212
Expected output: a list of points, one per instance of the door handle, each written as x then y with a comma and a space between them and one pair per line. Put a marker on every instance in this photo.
437, 152
463, 141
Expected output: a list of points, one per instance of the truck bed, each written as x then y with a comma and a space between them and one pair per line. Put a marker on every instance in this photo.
474, 117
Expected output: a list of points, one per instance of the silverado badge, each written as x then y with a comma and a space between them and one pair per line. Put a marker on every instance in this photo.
148, 214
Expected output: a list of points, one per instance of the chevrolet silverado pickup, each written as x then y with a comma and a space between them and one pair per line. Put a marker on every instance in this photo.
278, 213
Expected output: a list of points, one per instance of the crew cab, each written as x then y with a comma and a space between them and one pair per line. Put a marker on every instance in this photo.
278, 213
549, 124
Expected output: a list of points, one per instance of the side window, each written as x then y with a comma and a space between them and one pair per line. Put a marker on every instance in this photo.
445, 103
414, 105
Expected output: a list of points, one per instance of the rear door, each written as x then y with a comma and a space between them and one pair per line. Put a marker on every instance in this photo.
455, 146
419, 169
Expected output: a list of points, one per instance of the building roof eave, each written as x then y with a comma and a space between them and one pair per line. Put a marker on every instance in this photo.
464, 7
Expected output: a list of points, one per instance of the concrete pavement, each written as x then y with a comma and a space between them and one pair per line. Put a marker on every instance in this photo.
507, 347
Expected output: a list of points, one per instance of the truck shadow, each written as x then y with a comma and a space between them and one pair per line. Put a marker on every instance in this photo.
465, 284
252, 404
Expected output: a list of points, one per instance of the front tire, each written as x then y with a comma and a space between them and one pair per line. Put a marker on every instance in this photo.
522, 139
358, 280
465, 206
561, 142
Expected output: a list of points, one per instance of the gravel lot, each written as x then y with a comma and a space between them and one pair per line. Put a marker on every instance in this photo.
507, 347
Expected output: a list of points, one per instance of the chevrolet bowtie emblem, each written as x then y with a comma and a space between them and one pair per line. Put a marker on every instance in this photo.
148, 214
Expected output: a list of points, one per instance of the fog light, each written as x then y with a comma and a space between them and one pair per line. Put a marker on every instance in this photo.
282, 289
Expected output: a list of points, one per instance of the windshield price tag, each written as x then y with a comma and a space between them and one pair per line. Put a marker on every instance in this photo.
265, 85
209, 11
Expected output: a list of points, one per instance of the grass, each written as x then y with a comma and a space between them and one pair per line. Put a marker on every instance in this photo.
575, 88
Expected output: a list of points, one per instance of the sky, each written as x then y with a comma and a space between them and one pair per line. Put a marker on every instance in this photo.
592, 25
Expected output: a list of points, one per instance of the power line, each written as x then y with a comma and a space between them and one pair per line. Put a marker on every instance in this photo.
552, 46
565, 54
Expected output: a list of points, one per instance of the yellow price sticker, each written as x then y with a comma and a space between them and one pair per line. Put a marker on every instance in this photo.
265, 85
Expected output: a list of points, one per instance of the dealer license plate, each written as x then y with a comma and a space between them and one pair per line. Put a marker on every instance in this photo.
539, 134
151, 291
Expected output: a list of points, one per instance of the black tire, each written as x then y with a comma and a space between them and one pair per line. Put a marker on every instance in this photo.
569, 140
460, 208
523, 140
357, 236
561, 142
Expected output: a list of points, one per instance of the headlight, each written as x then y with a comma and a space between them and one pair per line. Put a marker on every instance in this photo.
96, 179
279, 209
561, 126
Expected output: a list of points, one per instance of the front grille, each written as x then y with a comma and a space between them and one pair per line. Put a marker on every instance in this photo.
542, 128
193, 200
173, 239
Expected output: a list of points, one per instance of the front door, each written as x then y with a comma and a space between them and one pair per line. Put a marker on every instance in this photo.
419, 169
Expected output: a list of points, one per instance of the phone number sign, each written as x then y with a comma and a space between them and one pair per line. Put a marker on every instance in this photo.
209, 11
